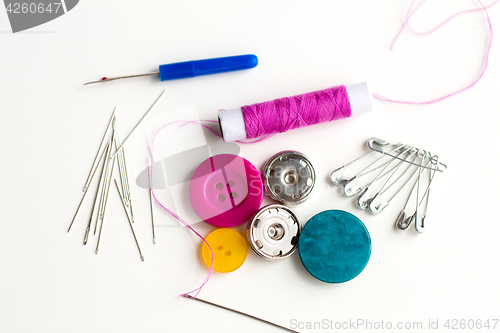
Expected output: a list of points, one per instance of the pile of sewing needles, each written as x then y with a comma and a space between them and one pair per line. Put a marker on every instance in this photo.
107, 157
104, 156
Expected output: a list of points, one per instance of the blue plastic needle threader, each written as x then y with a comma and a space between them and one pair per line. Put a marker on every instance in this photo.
182, 70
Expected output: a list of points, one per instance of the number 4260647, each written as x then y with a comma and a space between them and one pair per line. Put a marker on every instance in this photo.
24, 8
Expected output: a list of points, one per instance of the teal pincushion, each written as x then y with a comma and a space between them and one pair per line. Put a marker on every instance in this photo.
334, 246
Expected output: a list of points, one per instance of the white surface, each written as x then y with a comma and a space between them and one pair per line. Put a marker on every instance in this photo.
232, 125
51, 126
359, 98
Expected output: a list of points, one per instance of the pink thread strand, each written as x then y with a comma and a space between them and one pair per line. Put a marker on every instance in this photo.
175, 216
409, 14
172, 214
283, 114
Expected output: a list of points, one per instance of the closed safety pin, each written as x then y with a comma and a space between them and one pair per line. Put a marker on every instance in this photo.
364, 197
376, 205
419, 219
351, 188
403, 222
337, 178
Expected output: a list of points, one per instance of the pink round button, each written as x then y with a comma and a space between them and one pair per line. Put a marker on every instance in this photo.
226, 190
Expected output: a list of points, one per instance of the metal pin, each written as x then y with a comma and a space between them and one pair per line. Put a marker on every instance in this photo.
87, 231
128, 185
128, 136
122, 162
100, 189
241, 313
116, 141
378, 145
350, 187
337, 178
85, 190
419, 222
105, 79
102, 220
151, 200
107, 179
403, 222
364, 198
87, 182
129, 221
375, 205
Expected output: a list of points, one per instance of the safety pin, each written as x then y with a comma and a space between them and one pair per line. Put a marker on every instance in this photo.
336, 177
351, 188
128, 217
378, 145
375, 205
402, 221
364, 197
419, 219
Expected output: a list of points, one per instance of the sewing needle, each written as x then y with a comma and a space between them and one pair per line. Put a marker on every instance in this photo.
87, 183
100, 189
151, 202
128, 136
241, 313
106, 199
129, 221
85, 191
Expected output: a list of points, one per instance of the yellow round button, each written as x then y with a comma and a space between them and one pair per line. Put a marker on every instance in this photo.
229, 247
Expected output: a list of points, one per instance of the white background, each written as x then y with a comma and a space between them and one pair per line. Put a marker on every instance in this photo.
51, 126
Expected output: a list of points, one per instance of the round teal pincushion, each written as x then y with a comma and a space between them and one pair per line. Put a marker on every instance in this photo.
334, 246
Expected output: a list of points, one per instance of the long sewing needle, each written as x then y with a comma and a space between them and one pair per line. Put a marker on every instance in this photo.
127, 185
129, 221
102, 180
241, 313
128, 136
151, 202
104, 196
87, 231
102, 220
121, 169
122, 163
87, 182
85, 191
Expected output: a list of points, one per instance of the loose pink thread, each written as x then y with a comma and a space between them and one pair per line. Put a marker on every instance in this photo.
175, 216
406, 24
287, 113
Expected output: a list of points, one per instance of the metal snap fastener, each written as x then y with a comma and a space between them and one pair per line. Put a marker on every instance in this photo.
226, 190
273, 232
289, 177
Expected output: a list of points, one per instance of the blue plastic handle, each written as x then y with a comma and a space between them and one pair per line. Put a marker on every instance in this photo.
181, 70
